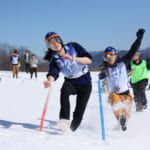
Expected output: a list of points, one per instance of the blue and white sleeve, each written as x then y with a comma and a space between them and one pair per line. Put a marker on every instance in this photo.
53, 70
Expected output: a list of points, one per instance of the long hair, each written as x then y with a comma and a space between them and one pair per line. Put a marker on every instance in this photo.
48, 55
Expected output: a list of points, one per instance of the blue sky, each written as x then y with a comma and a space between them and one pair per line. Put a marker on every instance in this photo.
95, 24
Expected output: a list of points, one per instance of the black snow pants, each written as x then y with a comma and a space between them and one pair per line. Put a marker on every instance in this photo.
27, 67
33, 70
83, 93
139, 91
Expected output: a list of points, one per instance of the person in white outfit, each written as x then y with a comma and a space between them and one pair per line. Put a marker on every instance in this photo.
33, 66
15, 63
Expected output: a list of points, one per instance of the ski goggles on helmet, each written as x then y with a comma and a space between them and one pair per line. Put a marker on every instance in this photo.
137, 55
110, 55
51, 42
107, 56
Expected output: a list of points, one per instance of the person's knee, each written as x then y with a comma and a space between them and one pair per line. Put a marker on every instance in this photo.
68, 89
64, 90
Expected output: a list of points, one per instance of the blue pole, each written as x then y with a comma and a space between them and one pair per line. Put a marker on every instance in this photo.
101, 110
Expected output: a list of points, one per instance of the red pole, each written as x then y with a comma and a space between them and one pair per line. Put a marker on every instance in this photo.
45, 110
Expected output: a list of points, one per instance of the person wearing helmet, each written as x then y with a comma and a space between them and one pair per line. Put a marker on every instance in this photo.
139, 80
72, 60
115, 69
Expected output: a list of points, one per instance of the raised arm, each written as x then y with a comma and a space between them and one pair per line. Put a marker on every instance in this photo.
135, 46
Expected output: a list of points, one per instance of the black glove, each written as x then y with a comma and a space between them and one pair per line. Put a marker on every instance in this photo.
140, 33
102, 75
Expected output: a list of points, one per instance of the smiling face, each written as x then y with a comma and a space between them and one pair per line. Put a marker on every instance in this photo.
136, 57
110, 58
54, 44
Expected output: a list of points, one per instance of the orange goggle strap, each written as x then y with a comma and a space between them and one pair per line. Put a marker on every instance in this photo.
110, 53
55, 35
14, 54
137, 53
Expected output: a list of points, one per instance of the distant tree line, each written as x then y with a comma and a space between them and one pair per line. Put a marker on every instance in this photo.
5, 54
6, 50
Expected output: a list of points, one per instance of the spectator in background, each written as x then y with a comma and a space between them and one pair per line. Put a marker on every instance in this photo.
33, 66
26, 58
15, 63
139, 80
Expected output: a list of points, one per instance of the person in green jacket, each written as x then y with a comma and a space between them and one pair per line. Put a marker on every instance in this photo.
139, 80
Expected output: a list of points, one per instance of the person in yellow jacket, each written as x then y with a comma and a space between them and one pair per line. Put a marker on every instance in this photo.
33, 66
139, 81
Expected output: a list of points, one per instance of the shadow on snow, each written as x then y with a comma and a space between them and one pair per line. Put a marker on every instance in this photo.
52, 126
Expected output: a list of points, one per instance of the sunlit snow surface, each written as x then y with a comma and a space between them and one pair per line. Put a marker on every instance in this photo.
21, 105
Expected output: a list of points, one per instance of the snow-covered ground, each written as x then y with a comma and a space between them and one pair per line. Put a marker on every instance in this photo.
21, 105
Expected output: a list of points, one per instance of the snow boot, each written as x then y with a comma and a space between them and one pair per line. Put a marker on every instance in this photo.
139, 107
122, 120
145, 106
75, 124
64, 125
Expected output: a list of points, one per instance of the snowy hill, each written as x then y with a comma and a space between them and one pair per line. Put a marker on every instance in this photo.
21, 105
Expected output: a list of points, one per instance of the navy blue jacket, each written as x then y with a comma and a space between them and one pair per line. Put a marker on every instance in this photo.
54, 68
